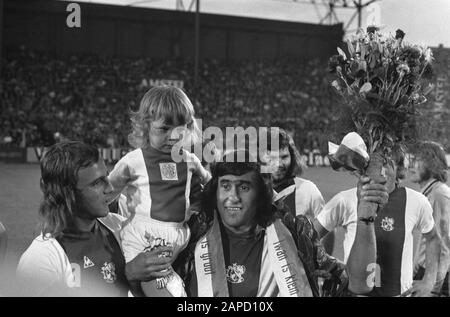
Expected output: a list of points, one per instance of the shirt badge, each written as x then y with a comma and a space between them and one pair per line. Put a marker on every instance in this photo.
109, 272
387, 224
235, 273
87, 262
168, 171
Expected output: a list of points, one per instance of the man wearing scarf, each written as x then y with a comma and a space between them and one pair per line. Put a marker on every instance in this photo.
242, 245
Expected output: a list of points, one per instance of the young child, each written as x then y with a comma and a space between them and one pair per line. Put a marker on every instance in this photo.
158, 187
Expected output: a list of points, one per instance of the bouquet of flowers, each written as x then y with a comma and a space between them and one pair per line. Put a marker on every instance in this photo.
381, 80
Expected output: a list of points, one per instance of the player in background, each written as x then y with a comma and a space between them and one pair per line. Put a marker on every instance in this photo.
429, 170
300, 195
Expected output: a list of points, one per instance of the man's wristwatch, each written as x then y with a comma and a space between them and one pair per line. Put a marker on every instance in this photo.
368, 220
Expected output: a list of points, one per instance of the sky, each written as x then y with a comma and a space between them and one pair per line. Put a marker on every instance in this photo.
424, 21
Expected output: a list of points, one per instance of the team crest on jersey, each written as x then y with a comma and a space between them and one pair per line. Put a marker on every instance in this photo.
154, 243
109, 272
235, 273
87, 263
168, 171
387, 224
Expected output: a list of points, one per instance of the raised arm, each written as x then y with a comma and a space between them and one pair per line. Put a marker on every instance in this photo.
197, 168
362, 257
119, 177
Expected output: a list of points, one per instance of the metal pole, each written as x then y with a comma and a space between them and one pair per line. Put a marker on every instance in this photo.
331, 13
359, 14
197, 44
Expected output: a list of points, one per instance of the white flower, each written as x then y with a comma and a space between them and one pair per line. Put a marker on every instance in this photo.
403, 69
428, 55
342, 53
365, 88
336, 85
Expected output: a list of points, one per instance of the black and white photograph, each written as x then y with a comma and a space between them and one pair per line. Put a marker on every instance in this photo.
224, 149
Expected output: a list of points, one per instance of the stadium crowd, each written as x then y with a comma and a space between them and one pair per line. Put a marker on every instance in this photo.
46, 99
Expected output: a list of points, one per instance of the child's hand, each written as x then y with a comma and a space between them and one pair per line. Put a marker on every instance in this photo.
196, 167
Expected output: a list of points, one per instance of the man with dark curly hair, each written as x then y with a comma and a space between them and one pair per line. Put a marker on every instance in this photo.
243, 245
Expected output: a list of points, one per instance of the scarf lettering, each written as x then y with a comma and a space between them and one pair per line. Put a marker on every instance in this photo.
281, 254
291, 283
206, 259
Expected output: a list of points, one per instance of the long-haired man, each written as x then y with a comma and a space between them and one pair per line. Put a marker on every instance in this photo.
429, 170
78, 250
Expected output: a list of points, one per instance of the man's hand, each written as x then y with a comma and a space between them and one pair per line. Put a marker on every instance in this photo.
371, 191
420, 288
149, 265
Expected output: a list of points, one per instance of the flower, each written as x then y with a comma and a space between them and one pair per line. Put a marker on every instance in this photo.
367, 87
399, 34
428, 55
336, 85
403, 69
372, 29
379, 81
334, 62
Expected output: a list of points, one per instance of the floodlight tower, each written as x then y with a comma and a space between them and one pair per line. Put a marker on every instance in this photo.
331, 10
180, 5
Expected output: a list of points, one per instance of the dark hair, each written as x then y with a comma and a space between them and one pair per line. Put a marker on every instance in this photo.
59, 178
433, 156
286, 141
229, 165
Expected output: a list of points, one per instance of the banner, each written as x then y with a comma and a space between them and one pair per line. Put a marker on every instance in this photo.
152, 82
441, 66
